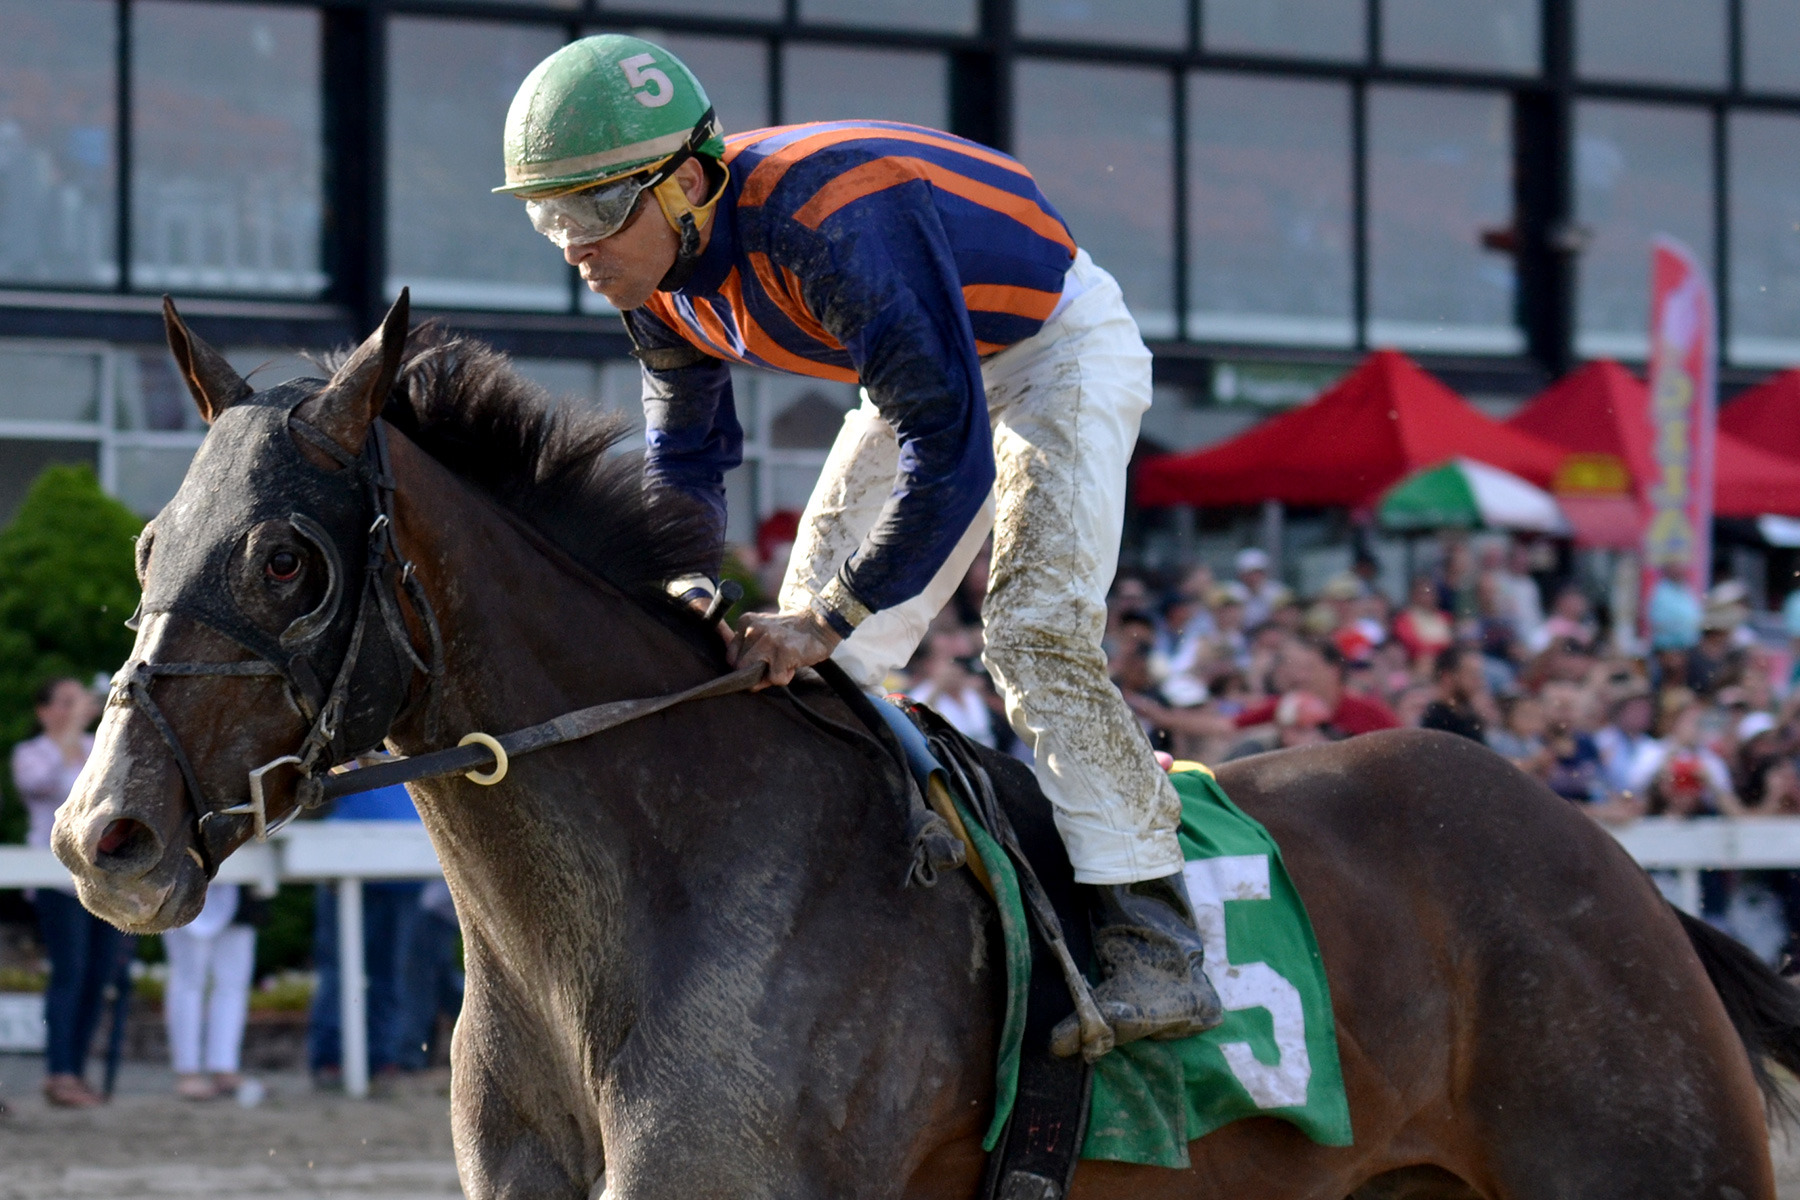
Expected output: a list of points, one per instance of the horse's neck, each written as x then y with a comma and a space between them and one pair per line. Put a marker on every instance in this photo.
635, 900
525, 630
527, 637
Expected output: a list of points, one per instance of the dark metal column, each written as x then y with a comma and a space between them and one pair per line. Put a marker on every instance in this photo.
124, 141
981, 81
1546, 240
355, 250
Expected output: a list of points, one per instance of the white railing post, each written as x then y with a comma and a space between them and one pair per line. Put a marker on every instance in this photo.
1688, 888
353, 989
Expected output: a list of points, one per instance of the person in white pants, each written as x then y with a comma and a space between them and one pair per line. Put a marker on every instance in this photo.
1064, 407
1003, 380
206, 1031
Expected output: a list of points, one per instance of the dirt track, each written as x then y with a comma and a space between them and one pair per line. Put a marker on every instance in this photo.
297, 1145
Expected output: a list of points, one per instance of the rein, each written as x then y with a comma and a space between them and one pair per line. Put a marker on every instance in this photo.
478, 748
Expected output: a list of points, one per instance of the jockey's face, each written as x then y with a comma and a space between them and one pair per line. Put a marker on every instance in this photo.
626, 267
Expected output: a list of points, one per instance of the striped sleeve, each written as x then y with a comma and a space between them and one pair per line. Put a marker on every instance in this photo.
879, 276
691, 431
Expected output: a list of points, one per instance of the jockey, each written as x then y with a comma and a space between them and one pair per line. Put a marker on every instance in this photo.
1003, 380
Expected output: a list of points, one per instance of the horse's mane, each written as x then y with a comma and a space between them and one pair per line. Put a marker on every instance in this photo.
556, 466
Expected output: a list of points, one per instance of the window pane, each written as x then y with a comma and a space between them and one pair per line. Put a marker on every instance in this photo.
1640, 170
1108, 169
49, 386
1765, 239
829, 83
146, 477
226, 182
953, 16
1440, 171
57, 171
1269, 230
1161, 23
1652, 40
1299, 28
149, 395
803, 414
751, 10
449, 238
1772, 45
1482, 35
734, 72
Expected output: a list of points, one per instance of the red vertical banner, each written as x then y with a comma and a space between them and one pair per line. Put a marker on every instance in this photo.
1683, 418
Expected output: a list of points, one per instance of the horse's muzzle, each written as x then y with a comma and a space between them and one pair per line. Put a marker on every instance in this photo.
128, 867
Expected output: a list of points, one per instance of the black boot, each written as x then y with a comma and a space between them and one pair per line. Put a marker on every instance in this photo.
1150, 953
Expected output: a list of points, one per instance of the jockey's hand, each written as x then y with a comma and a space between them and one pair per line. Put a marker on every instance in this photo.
785, 641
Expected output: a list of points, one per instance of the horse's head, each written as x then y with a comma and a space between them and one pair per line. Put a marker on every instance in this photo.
271, 632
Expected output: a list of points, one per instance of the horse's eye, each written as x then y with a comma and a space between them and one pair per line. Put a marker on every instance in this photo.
283, 565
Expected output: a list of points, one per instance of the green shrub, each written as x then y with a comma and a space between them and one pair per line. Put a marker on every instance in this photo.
66, 589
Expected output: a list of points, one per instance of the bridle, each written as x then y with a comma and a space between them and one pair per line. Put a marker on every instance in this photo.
371, 684
372, 681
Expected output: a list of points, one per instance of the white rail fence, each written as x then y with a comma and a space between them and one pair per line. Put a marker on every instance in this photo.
346, 853
342, 852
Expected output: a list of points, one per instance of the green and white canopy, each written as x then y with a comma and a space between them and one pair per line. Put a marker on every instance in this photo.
1465, 494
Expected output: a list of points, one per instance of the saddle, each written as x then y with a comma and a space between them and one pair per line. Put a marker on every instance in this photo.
1036, 1155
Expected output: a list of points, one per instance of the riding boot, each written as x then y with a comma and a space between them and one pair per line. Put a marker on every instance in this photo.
1150, 954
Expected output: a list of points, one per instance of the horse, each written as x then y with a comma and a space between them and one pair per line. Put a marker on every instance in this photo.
692, 968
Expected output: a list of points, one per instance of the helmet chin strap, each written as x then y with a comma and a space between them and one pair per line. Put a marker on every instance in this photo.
686, 219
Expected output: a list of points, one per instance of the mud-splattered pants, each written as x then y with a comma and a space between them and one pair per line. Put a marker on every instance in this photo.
1064, 406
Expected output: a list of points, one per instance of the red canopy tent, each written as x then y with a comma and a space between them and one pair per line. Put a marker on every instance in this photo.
1381, 422
1603, 409
1768, 415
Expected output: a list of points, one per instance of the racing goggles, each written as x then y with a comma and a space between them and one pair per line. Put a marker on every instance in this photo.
596, 213
592, 215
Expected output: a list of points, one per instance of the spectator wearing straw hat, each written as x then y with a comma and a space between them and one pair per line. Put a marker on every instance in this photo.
1262, 595
1625, 743
1719, 656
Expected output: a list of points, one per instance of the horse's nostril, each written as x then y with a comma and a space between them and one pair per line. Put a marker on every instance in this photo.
123, 840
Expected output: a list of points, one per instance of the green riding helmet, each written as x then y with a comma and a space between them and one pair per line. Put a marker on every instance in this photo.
600, 109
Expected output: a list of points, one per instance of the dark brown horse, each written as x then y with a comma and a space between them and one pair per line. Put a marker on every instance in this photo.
690, 964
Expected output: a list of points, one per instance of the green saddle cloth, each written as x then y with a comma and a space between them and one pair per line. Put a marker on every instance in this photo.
1276, 1053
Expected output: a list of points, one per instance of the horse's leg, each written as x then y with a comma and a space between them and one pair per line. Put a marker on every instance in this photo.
514, 1138
1620, 1075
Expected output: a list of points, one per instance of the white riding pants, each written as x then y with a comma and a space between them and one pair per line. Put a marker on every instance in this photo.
206, 1032
1064, 406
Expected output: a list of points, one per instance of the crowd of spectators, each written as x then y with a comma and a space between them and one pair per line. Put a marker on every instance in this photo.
1699, 721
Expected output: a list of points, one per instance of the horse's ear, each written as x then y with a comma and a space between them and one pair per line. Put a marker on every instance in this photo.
213, 382
349, 404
